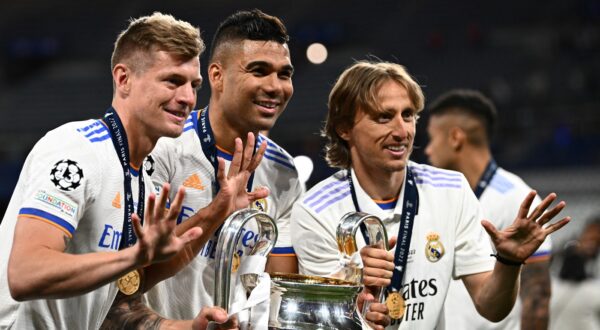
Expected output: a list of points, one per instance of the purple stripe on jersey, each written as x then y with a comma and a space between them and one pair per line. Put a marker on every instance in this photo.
87, 128
48, 216
540, 253
275, 151
332, 200
438, 178
431, 171
279, 161
323, 189
98, 131
436, 184
100, 138
501, 184
283, 250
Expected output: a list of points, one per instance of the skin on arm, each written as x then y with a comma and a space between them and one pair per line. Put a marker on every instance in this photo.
535, 295
129, 312
40, 269
494, 293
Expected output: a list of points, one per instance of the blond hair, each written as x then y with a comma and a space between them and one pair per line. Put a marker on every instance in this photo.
356, 89
158, 31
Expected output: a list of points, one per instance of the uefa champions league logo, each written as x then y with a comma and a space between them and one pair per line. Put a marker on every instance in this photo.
66, 175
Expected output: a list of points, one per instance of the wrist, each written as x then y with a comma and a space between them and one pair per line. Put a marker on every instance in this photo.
507, 262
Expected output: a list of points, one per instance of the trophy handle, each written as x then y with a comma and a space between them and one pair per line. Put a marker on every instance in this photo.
346, 239
229, 237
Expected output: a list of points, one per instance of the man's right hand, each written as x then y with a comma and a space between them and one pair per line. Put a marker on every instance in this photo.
156, 238
214, 318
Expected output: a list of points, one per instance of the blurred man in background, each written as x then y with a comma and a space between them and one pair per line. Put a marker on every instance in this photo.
460, 128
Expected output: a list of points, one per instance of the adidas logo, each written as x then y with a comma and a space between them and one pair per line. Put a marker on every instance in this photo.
116, 202
194, 182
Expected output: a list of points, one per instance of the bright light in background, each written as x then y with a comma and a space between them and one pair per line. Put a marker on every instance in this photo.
316, 53
305, 166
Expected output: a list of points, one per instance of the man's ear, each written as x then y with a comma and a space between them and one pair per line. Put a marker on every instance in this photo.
215, 76
122, 78
344, 132
457, 138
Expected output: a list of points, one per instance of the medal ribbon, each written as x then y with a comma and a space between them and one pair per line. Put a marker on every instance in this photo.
485, 179
209, 147
410, 207
119, 140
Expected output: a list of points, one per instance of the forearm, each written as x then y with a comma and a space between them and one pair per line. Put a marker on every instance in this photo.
535, 295
129, 312
52, 274
498, 292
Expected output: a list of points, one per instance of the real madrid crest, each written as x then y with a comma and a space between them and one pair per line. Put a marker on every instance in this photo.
260, 205
434, 249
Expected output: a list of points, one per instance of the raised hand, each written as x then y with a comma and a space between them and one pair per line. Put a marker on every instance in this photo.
523, 237
156, 239
232, 194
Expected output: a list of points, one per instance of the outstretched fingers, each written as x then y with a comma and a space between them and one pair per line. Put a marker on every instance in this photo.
248, 151
176, 204
526, 205
258, 156
238, 159
541, 208
557, 225
161, 203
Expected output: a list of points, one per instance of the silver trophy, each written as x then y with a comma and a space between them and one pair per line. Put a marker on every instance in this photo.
314, 302
303, 301
226, 255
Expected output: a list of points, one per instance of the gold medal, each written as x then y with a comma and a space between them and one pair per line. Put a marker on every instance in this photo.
129, 283
395, 304
235, 262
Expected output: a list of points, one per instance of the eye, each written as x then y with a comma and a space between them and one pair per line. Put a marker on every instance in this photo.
286, 74
409, 114
383, 118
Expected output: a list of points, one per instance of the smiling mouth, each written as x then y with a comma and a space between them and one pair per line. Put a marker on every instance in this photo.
396, 148
179, 114
267, 104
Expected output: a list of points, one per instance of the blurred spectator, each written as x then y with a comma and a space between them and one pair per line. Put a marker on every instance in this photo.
575, 300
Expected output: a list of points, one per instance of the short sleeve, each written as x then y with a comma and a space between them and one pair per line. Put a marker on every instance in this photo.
61, 177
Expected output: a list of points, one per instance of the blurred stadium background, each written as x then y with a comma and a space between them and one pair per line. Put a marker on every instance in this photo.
539, 62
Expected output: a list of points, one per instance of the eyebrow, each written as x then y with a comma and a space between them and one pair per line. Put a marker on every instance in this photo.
287, 67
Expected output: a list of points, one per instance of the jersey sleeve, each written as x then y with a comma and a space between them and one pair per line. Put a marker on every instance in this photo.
314, 243
472, 245
62, 176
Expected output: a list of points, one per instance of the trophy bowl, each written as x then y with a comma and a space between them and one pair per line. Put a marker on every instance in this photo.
312, 302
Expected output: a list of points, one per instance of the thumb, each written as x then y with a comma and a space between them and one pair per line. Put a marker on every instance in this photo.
258, 193
191, 234
207, 315
392, 242
490, 229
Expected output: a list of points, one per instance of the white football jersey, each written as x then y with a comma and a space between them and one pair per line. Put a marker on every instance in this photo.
500, 203
181, 162
447, 238
73, 180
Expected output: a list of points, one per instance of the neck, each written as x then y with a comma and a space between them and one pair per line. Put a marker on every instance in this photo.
224, 132
139, 141
381, 185
473, 165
